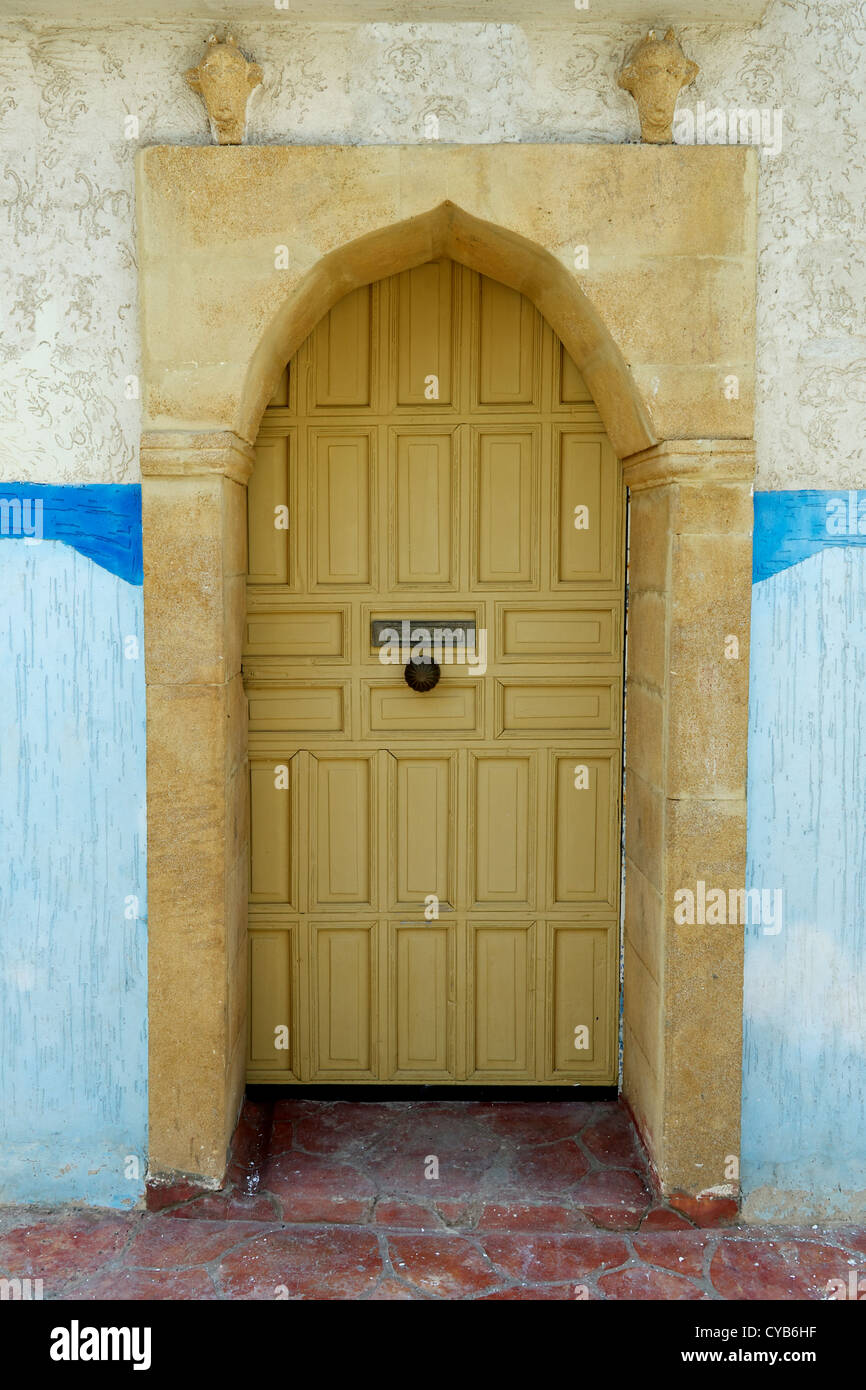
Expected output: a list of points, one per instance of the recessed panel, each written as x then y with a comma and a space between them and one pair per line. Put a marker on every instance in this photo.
422, 994
297, 708
342, 493
579, 998
341, 353
502, 836
508, 346
296, 633
587, 525
272, 806
584, 846
572, 387
343, 1004
272, 1025
502, 976
425, 502
424, 335
268, 491
506, 540
546, 708
343, 868
453, 706
281, 391
542, 632
422, 829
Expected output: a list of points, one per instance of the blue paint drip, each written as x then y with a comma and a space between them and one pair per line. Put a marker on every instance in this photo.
792, 526
101, 520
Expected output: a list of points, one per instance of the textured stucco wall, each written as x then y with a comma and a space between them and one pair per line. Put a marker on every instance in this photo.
68, 289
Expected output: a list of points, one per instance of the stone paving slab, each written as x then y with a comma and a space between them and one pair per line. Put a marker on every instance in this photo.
98, 1255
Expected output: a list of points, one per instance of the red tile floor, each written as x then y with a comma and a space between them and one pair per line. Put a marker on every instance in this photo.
424, 1200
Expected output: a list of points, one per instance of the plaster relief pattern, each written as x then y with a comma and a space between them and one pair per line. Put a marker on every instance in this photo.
68, 98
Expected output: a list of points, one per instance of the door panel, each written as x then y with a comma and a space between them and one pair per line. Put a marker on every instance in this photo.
343, 500
502, 821
589, 540
505, 548
343, 819
424, 491
540, 632
297, 707
291, 633
502, 995
269, 558
342, 979
392, 708
422, 829
422, 989
343, 353
273, 1022
508, 328
581, 959
434, 878
424, 313
273, 817
549, 707
585, 840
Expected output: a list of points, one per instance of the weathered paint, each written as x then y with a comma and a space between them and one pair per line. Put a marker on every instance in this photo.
804, 1084
102, 520
790, 526
73, 957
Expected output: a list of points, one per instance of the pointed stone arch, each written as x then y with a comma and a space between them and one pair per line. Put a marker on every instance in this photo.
448, 230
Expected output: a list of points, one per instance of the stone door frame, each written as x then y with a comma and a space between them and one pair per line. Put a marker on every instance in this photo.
642, 259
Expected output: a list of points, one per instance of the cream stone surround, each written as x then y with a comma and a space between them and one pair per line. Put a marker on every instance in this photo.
242, 251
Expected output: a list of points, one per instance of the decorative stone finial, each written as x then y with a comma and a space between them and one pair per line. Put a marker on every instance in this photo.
655, 76
225, 79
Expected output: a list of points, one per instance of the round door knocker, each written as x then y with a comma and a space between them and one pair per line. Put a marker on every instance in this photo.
421, 674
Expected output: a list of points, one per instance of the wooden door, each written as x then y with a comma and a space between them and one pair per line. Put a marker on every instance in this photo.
434, 890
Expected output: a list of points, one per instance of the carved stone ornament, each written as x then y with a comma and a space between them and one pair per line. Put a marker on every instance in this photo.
224, 78
655, 76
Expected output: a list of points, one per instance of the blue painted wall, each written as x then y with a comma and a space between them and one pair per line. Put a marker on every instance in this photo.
73, 949
804, 1085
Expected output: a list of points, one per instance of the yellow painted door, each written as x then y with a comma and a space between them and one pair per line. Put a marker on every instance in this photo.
434, 891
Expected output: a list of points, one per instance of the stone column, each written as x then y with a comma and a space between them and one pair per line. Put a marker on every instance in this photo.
685, 809
195, 564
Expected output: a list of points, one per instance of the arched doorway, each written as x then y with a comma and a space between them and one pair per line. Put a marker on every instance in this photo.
435, 875
231, 284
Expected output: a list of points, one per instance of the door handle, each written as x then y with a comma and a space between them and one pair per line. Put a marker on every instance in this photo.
421, 674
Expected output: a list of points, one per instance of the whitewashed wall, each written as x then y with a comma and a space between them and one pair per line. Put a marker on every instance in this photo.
67, 251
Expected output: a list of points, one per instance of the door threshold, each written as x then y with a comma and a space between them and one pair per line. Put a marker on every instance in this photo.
397, 1092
